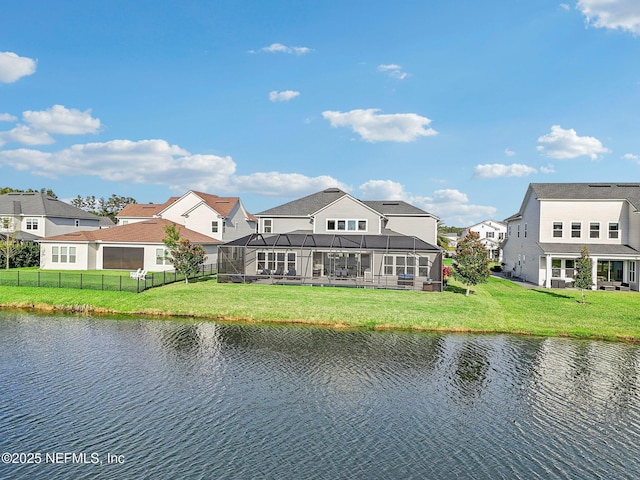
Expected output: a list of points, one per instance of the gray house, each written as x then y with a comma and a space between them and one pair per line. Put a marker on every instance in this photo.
332, 238
34, 215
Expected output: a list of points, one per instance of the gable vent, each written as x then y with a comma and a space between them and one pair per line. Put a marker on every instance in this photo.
332, 190
390, 203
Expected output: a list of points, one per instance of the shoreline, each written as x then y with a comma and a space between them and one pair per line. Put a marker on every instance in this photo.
92, 310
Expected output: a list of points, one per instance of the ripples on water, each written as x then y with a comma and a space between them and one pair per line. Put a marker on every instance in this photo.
188, 400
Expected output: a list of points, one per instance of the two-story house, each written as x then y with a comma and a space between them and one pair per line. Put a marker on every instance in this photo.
491, 235
556, 220
332, 238
33, 215
137, 240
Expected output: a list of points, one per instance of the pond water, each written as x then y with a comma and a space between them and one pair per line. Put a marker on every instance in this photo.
96, 398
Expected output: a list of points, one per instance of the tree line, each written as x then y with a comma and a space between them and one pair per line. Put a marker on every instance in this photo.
103, 207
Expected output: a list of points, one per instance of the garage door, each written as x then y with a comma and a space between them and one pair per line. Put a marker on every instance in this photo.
122, 258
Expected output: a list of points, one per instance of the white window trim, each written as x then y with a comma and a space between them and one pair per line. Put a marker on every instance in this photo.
346, 224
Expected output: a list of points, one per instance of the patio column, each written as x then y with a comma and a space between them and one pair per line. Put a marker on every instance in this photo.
547, 278
594, 273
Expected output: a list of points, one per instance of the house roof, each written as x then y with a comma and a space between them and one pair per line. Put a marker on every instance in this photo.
338, 242
39, 204
312, 203
148, 231
595, 249
222, 205
582, 191
145, 210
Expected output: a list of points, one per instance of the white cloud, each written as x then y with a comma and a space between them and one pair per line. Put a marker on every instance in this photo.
25, 135
7, 117
372, 127
277, 183
283, 96
393, 70
632, 157
564, 144
565, 6
613, 14
383, 189
158, 162
59, 119
451, 205
14, 67
493, 170
280, 48
509, 153
548, 169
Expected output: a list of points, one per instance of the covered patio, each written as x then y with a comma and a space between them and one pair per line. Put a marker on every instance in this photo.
303, 258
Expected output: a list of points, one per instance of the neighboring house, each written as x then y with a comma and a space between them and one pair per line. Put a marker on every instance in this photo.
332, 238
35, 215
556, 220
491, 235
222, 218
137, 240
123, 247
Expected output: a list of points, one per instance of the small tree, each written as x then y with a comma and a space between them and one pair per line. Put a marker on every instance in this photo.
8, 247
186, 258
471, 262
584, 278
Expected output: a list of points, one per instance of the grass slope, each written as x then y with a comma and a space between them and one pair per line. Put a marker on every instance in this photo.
498, 306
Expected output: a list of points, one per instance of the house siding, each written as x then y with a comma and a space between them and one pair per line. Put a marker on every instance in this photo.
425, 228
347, 208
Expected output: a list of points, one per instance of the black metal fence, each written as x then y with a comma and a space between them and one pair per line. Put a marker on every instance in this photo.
96, 281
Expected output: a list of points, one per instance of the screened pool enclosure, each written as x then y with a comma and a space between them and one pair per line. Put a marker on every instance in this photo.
366, 261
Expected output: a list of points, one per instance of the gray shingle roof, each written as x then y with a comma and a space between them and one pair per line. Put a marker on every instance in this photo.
39, 204
589, 191
596, 249
312, 203
337, 242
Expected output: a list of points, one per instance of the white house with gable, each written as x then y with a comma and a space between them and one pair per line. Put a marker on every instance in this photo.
491, 233
556, 220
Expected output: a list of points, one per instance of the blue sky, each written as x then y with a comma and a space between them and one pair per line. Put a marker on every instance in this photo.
453, 106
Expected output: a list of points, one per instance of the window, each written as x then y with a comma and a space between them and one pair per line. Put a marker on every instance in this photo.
501, 236
575, 229
63, 254
490, 234
569, 268
614, 230
594, 230
267, 225
32, 223
76, 223
557, 229
273, 261
518, 232
525, 230
347, 225
632, 272
401, 264
5, 223
214, 226
162, 257
556, 266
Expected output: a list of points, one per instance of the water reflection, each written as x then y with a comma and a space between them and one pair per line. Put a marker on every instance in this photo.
185, 399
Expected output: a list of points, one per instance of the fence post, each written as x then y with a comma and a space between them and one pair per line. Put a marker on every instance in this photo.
59, 279
80, 281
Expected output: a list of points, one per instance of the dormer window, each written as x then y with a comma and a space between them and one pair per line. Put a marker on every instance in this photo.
215, 226
32, 223
267, 225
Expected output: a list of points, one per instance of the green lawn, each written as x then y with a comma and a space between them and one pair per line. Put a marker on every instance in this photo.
498, 306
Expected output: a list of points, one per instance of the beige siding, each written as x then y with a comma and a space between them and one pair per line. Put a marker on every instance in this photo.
347, 208
425, 228
583, 212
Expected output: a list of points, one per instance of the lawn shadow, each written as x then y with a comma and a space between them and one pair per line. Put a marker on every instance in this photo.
553, 294
456, 289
